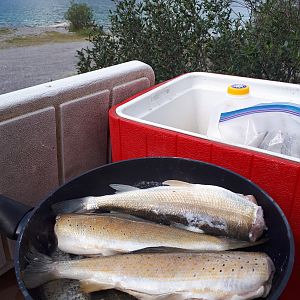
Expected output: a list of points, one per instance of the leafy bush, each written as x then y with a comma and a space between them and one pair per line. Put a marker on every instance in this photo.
176, 37
266, 46
169, 35
80, 16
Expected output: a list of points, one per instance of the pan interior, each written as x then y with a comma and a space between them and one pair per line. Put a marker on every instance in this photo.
144, 173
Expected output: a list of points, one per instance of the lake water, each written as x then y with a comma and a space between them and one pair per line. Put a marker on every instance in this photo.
19, 13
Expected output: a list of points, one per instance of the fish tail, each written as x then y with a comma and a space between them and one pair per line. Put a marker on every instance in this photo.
71, 206
41, 269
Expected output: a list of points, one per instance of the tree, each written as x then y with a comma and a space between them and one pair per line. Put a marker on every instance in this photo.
266, 46
80, 16
169, 35
176, 37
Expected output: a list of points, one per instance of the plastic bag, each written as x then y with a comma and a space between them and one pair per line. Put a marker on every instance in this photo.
270, 126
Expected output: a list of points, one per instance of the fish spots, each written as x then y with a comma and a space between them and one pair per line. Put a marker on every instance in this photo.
223, 265
221, 271
252, 270
242, 267
194, 275
232, 270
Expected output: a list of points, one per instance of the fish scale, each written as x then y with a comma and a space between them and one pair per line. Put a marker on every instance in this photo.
149, 276
88, 234
212, 209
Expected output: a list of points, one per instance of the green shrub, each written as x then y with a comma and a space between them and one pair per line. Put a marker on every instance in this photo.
169, 35
80, 15
176, 37
266, 46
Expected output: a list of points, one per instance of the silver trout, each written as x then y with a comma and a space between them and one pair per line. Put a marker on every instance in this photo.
211, 209
206, 276
108, 235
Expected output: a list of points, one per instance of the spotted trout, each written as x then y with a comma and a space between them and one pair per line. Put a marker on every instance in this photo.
206, 276
108, 235
210, 209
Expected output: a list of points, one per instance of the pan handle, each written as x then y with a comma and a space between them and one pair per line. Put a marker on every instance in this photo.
11, 214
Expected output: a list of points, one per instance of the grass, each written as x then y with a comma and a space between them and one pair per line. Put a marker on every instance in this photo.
44, 38
5, 31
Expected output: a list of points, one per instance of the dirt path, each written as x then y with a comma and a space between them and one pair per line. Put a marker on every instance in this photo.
22, 67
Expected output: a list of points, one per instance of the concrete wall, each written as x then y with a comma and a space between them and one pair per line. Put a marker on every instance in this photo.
52, 132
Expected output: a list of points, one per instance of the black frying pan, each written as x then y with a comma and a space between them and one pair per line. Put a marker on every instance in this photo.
35, 227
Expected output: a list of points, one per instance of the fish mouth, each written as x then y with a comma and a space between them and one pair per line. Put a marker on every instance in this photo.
258, 226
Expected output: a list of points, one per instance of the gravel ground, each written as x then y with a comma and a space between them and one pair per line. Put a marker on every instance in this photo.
22, 67
27, 66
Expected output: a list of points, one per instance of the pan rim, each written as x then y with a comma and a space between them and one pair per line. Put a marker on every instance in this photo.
290, 264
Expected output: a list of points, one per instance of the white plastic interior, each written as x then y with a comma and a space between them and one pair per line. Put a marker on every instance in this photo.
185, 104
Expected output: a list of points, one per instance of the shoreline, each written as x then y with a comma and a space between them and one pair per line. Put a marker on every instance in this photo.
11, 37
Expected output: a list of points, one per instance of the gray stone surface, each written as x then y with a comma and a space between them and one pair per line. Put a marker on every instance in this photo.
60, 91
54, 131
126, 90
27, 66
84, 133
28, 160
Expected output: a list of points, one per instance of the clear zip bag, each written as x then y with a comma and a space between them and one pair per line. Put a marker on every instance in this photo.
270, 126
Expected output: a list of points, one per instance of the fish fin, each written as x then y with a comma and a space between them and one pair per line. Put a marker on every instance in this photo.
177, 183
145, 296
107, 252
186, 227
89, 286
251, 295
211, 294
119, 215
161, 249
40, 269
70, 206
121, 188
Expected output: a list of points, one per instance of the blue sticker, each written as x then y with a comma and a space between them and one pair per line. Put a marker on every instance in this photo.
239, 86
